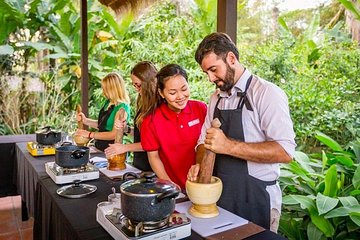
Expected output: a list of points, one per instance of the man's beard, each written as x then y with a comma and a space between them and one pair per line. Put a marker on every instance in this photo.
228, 81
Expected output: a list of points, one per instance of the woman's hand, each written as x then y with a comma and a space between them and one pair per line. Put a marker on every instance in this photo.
81, 117
120, 124
193, 172
115, 149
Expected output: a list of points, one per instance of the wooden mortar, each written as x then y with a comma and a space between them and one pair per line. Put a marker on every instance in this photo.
206, 192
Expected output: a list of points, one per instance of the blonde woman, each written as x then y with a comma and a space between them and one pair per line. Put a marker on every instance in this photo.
114, 90
143, 77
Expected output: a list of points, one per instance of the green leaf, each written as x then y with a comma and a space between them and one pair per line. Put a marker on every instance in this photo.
56, 56
304, 161
331, 182
38, 46
345, 160
356, 178
313, 233
313, 27
328, 141
6, 50
324, 204
342, 211
63, 37
348, 201
355, 192
355, 217
338, 212
324, 159
301, 172
351, 7
305, 201
284, 25
320, 222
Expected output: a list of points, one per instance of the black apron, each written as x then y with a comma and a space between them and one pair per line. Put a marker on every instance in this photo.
102, 119
141, 160
242, 194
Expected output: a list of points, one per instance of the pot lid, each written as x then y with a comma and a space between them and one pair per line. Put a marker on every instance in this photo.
147, 185
76, 190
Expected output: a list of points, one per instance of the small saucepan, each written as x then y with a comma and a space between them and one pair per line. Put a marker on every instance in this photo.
72, 156
147, 199
48, 136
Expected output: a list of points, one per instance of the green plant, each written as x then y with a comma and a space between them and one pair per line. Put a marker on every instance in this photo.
321, 193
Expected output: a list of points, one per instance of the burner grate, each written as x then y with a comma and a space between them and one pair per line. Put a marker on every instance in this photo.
58, 171
139, 230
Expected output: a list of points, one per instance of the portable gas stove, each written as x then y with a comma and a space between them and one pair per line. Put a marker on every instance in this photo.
36, 149
62, 175
110, 217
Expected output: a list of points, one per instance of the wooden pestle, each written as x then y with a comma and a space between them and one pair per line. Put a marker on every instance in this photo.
207, 162
120, 132
117, 162
79, 123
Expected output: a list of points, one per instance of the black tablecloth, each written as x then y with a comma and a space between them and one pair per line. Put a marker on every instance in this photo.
29, 170
8, 170
61, 218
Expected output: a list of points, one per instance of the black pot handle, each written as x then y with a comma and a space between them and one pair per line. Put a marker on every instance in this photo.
172, 193
149, 177
78, 153
127, 176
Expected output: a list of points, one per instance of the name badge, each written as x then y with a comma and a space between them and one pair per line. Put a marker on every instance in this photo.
193, 122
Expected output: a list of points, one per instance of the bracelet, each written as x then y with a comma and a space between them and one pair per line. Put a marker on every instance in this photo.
89, 134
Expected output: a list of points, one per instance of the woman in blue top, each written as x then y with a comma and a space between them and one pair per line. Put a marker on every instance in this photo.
114, 90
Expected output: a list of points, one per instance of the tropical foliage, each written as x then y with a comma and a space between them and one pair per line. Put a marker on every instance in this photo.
318, 66
322, 193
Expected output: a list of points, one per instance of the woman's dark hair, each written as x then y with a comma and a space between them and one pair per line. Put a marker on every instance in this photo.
145, 103
218, 43
168, 71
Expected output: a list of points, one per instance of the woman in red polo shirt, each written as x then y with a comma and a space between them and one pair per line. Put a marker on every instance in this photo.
170, 134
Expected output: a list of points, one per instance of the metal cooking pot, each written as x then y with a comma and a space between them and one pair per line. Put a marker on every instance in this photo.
147, 198
72, 156
48, 136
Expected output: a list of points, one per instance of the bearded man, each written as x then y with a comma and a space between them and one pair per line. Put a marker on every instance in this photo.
256, 134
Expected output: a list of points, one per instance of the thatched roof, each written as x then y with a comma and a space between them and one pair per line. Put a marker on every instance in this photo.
126, 5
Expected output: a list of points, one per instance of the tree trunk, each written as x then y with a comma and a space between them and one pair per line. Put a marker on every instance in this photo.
353, 24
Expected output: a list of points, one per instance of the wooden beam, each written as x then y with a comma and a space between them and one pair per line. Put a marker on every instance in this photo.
84, 58
227, 17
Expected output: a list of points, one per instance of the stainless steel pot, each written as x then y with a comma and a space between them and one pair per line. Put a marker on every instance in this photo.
147, 198
72, 156
48, 136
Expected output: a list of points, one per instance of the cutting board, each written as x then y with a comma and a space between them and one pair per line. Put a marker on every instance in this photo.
209, 226
109, 173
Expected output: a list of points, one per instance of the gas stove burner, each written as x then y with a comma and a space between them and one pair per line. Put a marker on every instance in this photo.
36, 149
144, 227
63, 171
40, 146
74, 170
62, 175
110, 217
